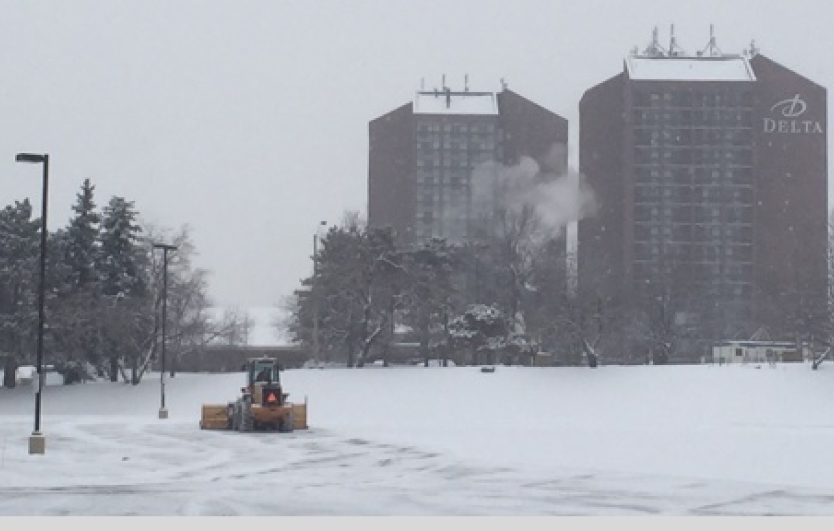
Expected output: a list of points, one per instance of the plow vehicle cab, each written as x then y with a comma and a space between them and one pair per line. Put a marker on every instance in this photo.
263, 404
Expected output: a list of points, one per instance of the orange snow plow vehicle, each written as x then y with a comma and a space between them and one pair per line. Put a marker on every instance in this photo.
262, 405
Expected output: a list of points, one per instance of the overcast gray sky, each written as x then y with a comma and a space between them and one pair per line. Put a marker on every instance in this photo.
248, 119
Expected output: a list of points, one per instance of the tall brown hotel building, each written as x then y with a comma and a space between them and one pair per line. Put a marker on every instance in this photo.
426, 157
710, 173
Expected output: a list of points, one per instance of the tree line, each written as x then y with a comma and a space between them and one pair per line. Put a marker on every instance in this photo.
502, 295
103, 293
499, 297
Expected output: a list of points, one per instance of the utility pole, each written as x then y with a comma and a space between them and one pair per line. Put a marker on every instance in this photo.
314, 294
163, 412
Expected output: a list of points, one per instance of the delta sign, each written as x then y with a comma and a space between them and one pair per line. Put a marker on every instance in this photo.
788, 117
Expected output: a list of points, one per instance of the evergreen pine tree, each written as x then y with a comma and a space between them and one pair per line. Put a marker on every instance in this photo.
122, 268
123, 278
70, 312
75, 302
19, 252
82, 235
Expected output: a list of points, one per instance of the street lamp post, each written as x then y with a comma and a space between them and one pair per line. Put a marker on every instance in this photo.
316, 347
37, 443
163, 412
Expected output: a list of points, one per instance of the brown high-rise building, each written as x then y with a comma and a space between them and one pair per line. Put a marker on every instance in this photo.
710, 174
425, 158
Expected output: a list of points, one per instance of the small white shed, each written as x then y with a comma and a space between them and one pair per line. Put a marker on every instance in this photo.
758, 352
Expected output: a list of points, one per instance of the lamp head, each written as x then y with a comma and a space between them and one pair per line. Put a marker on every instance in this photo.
29, 157
165, 246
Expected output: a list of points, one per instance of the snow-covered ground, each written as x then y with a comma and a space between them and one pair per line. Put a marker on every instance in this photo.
675, 440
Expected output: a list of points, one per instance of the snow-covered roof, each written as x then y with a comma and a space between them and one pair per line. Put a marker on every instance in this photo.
443, 102
676, 68
743, 343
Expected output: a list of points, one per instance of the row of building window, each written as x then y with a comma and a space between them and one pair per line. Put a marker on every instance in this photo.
453, 176
738, 272
691, 252
715, 288
692, 272
692, 173
455, 128
713, 137
725, 194
447, 228
439, 202
451, 184
691, 232
689, 275
651, 271
459, 159
694, 214
697, 186
692, 155
686, 117
693, 98
445, 163
462, 144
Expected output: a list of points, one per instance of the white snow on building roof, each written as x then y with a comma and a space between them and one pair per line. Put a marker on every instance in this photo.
725, 68
441, 102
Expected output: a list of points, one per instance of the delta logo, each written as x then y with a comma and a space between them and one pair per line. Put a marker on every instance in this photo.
787, 118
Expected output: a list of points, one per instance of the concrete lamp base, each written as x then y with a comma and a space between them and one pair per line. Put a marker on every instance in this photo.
163, 413
37, 444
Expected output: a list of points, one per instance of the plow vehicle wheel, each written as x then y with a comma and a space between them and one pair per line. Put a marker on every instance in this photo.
285, 425
235, 419
247, 419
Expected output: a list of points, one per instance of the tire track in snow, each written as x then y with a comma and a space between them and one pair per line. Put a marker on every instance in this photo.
174, 468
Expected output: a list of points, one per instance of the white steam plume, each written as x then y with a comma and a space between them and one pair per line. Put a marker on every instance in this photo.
558, 196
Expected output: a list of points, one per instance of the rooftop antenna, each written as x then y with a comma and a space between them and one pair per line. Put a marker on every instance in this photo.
654, 49
466, 82
674, 48
671, 39
754, 51
447, 92
504, 84
712, 49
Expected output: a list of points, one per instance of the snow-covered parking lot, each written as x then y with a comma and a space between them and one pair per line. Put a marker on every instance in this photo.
674, 440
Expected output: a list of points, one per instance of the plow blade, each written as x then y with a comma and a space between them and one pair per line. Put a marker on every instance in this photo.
215, 417
299, 416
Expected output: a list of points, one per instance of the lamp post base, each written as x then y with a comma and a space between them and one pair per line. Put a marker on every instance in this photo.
37, 443
163, 413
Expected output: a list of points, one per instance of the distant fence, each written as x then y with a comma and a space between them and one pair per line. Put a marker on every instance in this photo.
226, 358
